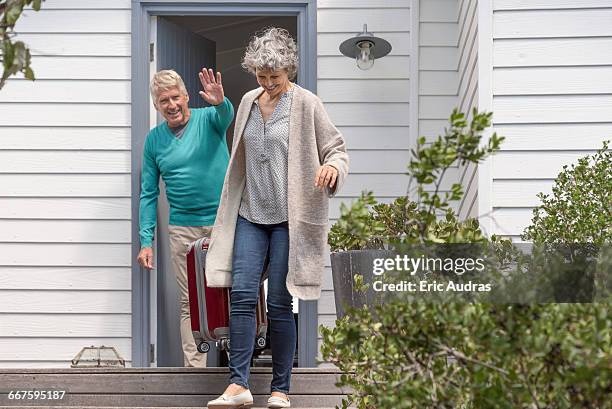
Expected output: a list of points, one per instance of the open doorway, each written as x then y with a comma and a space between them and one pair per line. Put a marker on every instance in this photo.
186, 44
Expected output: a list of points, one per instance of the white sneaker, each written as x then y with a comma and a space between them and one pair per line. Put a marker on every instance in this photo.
242, 400
276, 402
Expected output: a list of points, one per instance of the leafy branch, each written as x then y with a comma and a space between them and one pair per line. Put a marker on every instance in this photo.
14, 55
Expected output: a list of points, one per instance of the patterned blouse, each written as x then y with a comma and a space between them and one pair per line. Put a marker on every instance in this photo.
264, 200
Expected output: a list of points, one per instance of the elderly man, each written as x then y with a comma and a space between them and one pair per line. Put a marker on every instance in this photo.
190, 153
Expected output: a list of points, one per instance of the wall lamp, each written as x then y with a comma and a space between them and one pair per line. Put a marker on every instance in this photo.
365, 48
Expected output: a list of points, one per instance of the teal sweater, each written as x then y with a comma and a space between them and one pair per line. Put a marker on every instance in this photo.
192, 167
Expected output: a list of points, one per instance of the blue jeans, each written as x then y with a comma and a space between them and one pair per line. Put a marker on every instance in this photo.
252, 243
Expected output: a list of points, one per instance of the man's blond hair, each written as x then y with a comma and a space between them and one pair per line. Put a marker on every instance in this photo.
163, 81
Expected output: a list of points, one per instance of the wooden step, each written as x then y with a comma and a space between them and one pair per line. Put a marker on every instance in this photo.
163, 387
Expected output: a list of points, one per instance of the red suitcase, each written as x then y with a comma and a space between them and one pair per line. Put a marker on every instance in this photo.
210, 307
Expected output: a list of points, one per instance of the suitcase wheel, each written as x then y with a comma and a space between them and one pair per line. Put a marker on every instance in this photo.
203, 347
224, 344
260, 342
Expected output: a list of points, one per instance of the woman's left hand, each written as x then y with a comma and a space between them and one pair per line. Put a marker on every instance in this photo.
326, 177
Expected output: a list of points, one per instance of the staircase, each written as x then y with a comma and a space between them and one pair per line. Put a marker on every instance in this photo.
161, 387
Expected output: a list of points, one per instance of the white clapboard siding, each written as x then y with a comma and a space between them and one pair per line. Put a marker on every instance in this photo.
364, 90
54, 254
64, 114
552, 80
66, 231
65, 138
552, 97
55, 349
89, 4
66, 91
436, 11
65, 208
73, 21
373, 137
438, 63
390, 67
64, 302
438, 34
378, 162
533, 164
511, 221
436, 106
371, 108
21, 161
553, 23
65, 185
519, 193
77, 325
438, 82
68, 45
548, 4
65, 278
552, 109
353, 4
438, 58
378, 20
367, 114
329, 43
533, 137
383, 185
552, 52
82, 68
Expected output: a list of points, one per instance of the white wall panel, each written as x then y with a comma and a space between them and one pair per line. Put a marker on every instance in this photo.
552, 137
549, 4
552, 80
371, 108
73, 21
346, 114
553, 23
53, 114
65, 138
378, 20
364, 90
390, 67
52, 350
552, 52
58, 325
374, 137
65, 208
53, 254
66, 91
556, 109
117, 45
22, 161
532, 165
65, 184
66, 231
65, 278
86, 68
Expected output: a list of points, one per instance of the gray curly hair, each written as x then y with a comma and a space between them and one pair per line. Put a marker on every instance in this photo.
273, 49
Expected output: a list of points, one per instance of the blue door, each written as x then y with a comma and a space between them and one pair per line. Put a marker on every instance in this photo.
186, 53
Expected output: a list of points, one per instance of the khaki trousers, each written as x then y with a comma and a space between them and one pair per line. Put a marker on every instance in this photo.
180, 239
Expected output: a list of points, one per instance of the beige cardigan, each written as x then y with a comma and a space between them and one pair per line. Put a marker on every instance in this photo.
313, 141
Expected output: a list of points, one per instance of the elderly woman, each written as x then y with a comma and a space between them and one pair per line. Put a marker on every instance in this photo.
287, 160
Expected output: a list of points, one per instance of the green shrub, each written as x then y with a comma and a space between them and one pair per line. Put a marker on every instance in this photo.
459, 355
579, 210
